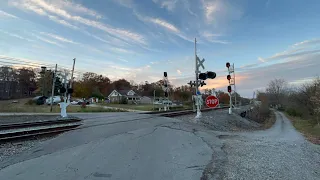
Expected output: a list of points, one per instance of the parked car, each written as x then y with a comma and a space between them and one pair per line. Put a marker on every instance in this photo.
40, 100
55, 100
86, 101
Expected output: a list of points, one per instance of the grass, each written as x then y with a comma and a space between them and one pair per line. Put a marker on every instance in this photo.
142, 107
270, 121
310, 130
22, 106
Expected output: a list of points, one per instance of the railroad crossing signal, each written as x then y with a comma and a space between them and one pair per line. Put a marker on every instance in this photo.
208, 74
229, 89
200, 62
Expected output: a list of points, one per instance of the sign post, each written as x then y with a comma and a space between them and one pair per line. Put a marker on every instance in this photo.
212, 101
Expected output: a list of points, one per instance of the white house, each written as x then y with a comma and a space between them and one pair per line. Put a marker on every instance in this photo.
129, 95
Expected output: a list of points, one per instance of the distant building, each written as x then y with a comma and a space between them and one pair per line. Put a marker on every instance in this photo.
117, 96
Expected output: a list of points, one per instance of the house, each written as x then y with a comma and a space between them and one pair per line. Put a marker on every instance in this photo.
117, 96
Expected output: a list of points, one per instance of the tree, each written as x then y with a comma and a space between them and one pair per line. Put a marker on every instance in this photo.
276, 90
26, 78
121, 84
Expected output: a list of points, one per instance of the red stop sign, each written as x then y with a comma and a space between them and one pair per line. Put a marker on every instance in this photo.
212, 101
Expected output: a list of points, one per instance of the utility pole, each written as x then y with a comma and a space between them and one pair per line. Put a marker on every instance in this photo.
71, 80
53, 85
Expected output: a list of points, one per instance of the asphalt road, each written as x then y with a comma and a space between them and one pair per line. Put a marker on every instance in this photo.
116, 146
136, 146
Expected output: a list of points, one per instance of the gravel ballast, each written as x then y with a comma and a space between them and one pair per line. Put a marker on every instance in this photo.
220, 120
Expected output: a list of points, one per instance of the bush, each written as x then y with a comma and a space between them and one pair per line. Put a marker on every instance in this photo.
293, 112
124, 101
30, 102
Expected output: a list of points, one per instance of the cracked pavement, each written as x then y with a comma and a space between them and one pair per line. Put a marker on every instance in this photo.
109, 146
144, 147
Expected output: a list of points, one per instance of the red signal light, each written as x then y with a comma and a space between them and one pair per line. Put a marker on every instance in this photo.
229, 77
229, 89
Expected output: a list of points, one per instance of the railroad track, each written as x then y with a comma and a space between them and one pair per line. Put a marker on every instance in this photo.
9, 132
181, 112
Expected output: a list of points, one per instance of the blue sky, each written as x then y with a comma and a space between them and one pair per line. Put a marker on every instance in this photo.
140, 39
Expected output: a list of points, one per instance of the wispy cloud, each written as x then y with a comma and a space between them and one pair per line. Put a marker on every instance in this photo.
59, 38
41, 7
179, 72
213, 38
61, 21
120, 50
165, 24
168, 4
220, 11
7, 15
307, 43
47, 40
72, 6
16, 36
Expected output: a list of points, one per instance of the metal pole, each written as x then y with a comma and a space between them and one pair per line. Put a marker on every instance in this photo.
197, 79
71, 80
53, 85
154, 97
230, 108
234, 82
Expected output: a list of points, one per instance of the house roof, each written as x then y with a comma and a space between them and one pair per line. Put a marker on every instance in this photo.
123, 92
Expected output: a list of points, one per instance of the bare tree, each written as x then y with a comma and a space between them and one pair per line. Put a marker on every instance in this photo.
315, 99
276, 91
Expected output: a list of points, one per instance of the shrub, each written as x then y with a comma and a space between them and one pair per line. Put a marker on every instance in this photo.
294, 112
30, 102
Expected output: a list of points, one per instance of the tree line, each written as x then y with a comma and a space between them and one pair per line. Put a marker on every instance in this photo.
28, 82
302, 101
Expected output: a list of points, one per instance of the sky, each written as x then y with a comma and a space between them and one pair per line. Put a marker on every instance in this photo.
140, 39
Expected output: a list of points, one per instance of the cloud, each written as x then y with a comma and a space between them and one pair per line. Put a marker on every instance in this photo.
125, 3
43, 8
63, 22
296, 69
164, 24
307, 43
213, 38
72, 6
16, 36
120, 50
179, 72
220, 11
59, 38
261, 59
47, 40
7, 15
168, 4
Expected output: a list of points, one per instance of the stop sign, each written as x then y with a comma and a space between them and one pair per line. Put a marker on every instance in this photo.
212, 101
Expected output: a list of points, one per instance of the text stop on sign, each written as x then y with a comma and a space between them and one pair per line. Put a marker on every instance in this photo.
212, 101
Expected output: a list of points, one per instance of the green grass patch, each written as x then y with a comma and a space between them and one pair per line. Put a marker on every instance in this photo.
142, 107
25, 107
307, 127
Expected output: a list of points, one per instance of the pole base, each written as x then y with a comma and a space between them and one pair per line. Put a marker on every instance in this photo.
230, 111
199, 115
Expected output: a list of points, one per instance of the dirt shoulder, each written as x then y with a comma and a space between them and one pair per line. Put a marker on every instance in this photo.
309, 130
